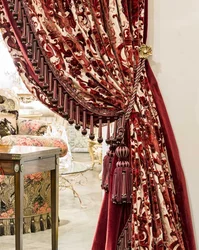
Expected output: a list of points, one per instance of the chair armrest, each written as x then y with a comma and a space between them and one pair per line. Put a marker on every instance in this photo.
39, 141
31, 127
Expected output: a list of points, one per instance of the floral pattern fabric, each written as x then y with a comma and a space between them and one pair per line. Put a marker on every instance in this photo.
91, 48
37, 203
39, 141
156, 222
32, 127
88, 54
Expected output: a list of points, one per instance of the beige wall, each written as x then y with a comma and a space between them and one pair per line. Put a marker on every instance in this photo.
174, 36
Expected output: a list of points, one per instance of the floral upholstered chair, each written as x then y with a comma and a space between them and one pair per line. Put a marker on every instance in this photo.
37, 202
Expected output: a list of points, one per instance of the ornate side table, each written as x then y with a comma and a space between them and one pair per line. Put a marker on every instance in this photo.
21, 160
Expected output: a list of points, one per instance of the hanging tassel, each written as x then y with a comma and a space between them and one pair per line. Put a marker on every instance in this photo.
117, 185
29, 45
12, 227
23, 36
19, 19
32, 225
105, 174
37, 69
84, 131
16, 8
100, 139
41, 75
45, 84
27, 34
113, 137
115, 128
2, 229
41, 221
122, 179
34, 53
50, 87
108, 140
54, 99
60, 105
77, 125
91, 135
71, 118
107, 164
65, 113
30, 41
48, 222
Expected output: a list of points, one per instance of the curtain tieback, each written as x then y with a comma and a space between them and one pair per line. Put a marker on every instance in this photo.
122, 176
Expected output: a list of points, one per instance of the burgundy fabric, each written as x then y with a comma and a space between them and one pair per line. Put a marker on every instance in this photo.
107, 231
99, 240
112, 218
111, 221
175, 164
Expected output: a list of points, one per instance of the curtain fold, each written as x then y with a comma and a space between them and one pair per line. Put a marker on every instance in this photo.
81, 59
175, 163
91, 47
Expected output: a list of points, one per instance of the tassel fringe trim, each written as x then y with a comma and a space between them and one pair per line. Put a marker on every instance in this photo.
31, 224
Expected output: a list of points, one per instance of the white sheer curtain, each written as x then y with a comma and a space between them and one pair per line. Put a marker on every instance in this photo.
9, 77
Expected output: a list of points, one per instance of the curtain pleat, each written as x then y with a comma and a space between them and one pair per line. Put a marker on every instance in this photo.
175, 164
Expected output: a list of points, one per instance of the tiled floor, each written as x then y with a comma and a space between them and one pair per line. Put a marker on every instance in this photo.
78, 222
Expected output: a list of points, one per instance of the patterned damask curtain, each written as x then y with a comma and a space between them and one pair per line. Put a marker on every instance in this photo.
90, 47
85, 60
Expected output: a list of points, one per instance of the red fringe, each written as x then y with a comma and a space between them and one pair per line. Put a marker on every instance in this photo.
107, 162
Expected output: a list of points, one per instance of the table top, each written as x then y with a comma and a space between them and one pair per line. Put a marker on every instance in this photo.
21, 151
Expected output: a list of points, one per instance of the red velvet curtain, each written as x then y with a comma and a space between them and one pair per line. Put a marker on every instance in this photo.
81, 59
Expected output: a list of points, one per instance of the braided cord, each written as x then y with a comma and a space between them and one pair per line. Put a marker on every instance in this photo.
139, 70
